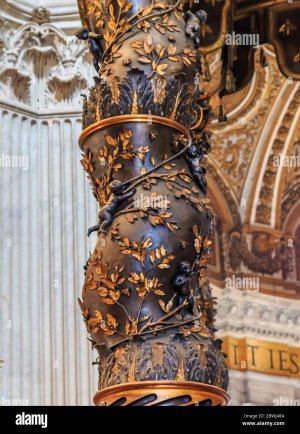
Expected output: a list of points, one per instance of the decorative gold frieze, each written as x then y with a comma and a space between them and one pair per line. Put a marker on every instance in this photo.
274, 358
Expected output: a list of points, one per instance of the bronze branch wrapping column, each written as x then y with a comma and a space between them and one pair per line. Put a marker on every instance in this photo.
145, 302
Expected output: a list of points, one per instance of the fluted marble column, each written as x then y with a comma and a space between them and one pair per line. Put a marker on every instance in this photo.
44, 213
45, 209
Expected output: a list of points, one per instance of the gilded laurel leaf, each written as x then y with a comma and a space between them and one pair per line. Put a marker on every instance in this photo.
137, 256
121, 3
126, 252
166, 215
128, 6
162, 305
107, 301
125, 291
108, 283
112, 320
170, 304
172, 226
107, 330
131, 328
159, 50
115, 48
118, 167
111, 10
144, 25
152, 256
144, 59
160, 28
110, 140
126, 241
186, 61
139, 51
102, 291
134, 278
114, 277
114, 295
163, 251
164, 266
136, 44
147, 10
98, 315
173, 58
160, 68
147, 243
171, 49
148, 44
185, 178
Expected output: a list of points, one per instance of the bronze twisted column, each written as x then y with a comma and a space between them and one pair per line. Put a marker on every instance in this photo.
144, 137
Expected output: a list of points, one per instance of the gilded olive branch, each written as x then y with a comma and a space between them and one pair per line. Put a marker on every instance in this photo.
168, 315
118, 333
155, 266
161, 175
149, 17
121, 305
141, 306
178, 183
111, 169
179, 324
130, 210
159, 166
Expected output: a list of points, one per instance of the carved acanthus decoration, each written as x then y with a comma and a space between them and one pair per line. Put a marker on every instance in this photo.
225, 190
235, 142
185, 357
266, 197
175, 99
41, 67
289, 202
291, 191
